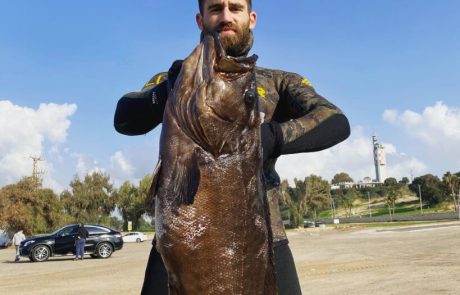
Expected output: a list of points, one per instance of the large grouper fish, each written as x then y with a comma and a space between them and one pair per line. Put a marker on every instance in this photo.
212, 220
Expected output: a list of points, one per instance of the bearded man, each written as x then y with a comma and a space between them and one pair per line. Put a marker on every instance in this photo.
296, 119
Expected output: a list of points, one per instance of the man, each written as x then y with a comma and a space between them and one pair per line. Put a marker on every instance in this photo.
80, 240
17, 239
296, 119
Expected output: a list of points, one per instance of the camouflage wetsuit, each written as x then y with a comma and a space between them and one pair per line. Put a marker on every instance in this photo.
296, 118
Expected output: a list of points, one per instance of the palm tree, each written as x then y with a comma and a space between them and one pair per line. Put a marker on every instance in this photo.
391, 197
292, 197
309, 195
452, 181
317, 194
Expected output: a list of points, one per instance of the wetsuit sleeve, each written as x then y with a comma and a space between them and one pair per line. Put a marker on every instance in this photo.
139, 112
307, 121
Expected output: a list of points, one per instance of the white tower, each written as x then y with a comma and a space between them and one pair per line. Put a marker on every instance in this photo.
379, 160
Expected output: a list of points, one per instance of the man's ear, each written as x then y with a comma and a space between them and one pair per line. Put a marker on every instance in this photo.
199, 21
252, 20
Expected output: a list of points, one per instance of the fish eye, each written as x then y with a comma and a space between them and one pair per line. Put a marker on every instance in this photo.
250, 97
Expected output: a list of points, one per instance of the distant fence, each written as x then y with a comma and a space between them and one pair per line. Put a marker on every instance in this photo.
415, 217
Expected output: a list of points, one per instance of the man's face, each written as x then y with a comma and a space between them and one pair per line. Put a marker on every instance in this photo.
231, 19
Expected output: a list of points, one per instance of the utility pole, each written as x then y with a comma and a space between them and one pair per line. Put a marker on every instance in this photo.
36, 173
333, 208
369, 200
420, 197
458, 204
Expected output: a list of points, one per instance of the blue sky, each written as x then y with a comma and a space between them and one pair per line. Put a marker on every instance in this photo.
392, 66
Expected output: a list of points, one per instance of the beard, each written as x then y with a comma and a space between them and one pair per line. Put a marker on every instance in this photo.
237, 44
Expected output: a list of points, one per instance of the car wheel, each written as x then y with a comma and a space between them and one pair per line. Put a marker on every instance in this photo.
138, 240
104, 250
40, 253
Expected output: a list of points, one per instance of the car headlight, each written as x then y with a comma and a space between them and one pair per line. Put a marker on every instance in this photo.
28, 243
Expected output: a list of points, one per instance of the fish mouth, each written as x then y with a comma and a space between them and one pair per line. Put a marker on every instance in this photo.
228, 64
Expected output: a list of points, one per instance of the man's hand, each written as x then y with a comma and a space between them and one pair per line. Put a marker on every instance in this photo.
272, 139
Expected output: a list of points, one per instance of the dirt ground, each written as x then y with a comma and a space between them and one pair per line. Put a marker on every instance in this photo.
423, 259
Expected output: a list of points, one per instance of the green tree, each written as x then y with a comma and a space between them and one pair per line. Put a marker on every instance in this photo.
452, 184
341, 177
348, 200
392, 196
390, 181
90, 200
310, 195
404, 180
131, 204
317, 194
293, 198
27, 206
431, 188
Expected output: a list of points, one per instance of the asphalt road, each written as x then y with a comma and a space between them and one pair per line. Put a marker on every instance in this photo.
409, 260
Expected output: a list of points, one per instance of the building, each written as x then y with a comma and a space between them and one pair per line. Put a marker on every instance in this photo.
380, 170
366, 182
379, 160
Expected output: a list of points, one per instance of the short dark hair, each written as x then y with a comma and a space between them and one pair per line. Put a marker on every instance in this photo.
201, 5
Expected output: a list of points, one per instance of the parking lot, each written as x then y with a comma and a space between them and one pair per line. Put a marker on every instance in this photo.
421, 259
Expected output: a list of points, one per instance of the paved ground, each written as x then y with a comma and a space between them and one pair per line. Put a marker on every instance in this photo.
410, 260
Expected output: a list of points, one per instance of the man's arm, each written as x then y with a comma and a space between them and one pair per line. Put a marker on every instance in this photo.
139, 112
307, 121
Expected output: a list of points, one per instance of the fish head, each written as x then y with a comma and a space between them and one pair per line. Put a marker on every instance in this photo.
215, 98
231, 93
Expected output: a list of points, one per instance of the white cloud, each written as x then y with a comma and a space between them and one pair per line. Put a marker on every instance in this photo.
121, 169
435, 125
401, 165
390, 149
354, 156
390, 115
437, 130
55, 152
86, 164
25, 131
119, 161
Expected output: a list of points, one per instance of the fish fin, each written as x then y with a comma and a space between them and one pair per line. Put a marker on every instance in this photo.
186, 178
153, 187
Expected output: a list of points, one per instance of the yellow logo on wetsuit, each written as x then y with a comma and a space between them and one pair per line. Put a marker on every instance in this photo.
261, 92
306, 82
156, 82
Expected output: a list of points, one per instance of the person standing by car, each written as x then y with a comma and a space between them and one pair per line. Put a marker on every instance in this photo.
80, 241
17, 239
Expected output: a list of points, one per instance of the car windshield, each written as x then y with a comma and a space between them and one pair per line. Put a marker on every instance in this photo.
56, 231
64, 231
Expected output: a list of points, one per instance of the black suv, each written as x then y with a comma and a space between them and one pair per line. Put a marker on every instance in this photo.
102, 242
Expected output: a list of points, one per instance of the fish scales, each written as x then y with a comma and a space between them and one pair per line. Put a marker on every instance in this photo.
212, 223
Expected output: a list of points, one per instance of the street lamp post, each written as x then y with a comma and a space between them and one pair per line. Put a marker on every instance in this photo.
420, 197
369, 201
333, 208
458, 204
